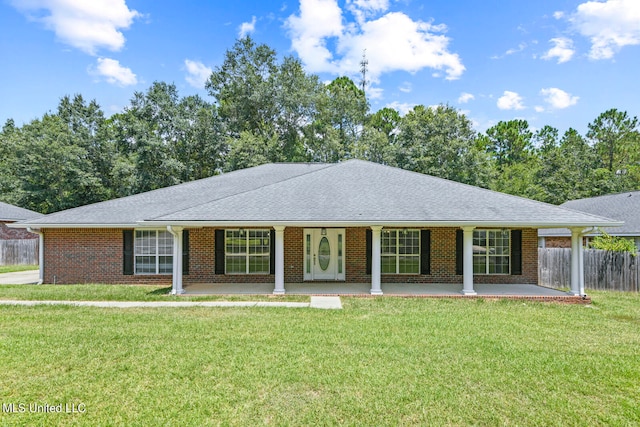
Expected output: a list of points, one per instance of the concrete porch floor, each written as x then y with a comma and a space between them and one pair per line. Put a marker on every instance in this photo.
362, 289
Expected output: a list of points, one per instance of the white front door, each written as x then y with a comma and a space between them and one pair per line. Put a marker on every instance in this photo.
324, 254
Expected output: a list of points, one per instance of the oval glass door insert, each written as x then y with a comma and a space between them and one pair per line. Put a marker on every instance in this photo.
324, 253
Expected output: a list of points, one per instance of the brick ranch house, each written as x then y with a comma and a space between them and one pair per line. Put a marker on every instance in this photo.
350, 222
10, 214
623, 207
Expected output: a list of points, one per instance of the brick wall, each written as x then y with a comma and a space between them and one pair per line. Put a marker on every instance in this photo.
557, 242
7, 233
95, 256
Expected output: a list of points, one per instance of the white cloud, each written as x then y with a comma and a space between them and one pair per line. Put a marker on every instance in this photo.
393, 41
361, 9
374, 92
406, 87
318, 21
558, 99
562, 49
197, 73
539, 108
558, 14
401, 107
113, 72
465, 97
86, 25
510, 101
609, 25
247, 27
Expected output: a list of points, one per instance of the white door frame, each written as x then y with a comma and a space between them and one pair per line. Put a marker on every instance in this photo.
335, 270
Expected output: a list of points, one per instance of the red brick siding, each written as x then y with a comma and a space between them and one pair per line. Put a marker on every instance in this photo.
95, 255
7, 233
557, 242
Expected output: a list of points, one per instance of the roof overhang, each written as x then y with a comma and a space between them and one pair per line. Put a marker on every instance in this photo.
298, 223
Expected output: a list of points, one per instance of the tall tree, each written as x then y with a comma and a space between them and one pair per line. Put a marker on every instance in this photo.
243, 88
440, 141
615, 137
510, 146
509, 142
54, 173
268, 100
567, 171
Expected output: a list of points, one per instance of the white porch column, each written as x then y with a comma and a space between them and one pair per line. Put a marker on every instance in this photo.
279, 273
176, 232
376, 231
40, 253
581, 268
467, 261
576, 245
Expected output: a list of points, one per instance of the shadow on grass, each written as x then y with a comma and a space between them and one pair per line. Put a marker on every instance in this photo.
160, 291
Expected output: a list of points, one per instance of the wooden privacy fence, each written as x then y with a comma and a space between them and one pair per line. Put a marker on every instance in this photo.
603, 270
18, 251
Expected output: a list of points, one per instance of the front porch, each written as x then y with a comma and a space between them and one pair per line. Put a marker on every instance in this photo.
429, 290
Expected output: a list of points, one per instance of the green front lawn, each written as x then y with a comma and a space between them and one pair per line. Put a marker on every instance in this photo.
379, 361
97, 292
14, 268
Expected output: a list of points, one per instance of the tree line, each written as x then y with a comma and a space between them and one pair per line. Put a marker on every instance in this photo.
270, 110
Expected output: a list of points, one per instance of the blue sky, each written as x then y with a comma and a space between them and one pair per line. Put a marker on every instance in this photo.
560, 62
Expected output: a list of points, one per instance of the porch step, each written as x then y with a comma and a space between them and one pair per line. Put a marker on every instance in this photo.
331, 303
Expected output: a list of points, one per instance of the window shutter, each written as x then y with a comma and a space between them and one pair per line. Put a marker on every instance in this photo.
425, 251
369, 245
185, 252
272, 252
127, 252
219, 252
516, 252
459, 255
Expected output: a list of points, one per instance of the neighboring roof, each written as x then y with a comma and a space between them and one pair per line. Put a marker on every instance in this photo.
622, 207
352, 192
14, 213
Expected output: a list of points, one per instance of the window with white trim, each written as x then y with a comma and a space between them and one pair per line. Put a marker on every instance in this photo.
491, 251
247, 251
400, 252
153, 252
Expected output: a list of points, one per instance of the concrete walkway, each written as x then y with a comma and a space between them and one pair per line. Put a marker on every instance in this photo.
316, 302
20, 277
363, 289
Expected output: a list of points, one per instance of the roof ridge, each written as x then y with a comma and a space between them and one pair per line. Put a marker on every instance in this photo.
621, 193
326, 165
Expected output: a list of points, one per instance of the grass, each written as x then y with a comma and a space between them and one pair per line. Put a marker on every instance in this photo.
99, 292
14, 268
379, 361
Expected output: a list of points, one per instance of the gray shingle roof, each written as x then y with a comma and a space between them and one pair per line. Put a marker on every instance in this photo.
350, 192
622, 207
14, 213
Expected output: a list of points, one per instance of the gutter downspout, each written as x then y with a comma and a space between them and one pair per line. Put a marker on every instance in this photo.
40, 253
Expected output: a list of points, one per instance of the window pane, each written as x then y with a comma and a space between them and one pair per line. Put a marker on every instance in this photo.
145, 264
388, 264
491, 250
388, 241
165, 243
236, 264
498, 265
409, 242
165, 264
409, 264
145, 243
259, 241
479, 264
259, 264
